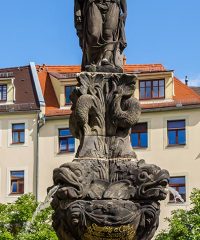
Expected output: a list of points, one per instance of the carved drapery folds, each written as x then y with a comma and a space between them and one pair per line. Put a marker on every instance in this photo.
106, 193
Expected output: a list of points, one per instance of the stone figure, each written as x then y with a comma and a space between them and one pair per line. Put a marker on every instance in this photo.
100, 28
105, 192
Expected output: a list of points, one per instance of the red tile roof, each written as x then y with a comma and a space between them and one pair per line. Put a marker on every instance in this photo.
183, 94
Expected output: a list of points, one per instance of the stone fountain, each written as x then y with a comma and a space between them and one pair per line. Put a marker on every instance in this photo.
105, 193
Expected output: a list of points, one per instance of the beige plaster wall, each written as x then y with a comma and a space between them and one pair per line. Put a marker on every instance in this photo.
49, 156
17, 157
180, 160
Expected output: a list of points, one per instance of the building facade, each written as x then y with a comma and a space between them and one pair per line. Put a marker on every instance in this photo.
166, 135
19, 111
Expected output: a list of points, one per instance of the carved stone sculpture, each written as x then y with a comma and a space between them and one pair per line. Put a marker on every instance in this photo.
100, 28
105, 193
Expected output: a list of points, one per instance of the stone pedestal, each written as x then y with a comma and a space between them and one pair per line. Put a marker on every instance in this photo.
106, 193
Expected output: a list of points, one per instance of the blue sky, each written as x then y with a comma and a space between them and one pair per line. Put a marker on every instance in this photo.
158, 31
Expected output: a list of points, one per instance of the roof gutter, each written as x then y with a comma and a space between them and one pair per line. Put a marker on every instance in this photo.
37, 84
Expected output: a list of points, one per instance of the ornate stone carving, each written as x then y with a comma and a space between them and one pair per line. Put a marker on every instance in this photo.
103, 112
108, 193
105, 193
100, 28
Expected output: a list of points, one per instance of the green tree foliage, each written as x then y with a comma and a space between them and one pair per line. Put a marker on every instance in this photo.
14, 218
184, 224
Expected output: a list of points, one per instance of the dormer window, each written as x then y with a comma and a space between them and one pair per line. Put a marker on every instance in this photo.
68, 91
3, 93
152, 89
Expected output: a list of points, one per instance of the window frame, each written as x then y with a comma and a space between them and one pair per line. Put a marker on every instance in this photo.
4, 100
67, 137
19, 131
151, 97
18, 183
139, 136
71, 89
176, 130
177, 186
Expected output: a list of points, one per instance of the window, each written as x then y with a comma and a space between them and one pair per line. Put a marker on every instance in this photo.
68, 91
178, 184
66, 141
152, 89
3, 93
139, 136
176, 132
16, 182
18, 133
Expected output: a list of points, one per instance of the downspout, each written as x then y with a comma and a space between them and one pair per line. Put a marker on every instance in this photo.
40, 123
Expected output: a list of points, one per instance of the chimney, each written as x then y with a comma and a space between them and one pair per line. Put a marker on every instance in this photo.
124, 60
186, 80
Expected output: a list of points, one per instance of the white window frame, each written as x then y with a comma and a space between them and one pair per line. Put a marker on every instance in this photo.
17, 121
8, 188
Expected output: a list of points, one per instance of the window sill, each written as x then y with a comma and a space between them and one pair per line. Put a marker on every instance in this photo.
15, 194
64, 153
172, 204
176, 145
142, 148
17, 143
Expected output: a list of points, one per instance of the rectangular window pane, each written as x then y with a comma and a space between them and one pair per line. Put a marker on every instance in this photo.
142, 93
143, 140
139, 136
178, 184
18, 126
3, 92
15, 138
66, 141
155, 92
148, 92
135, 140
177, 180
17, 182
161, 83
18, 133
68, 91
22, 137
71, 144
152, 89
148, 83
155, 83
64, 132
181, 137
142, 84
161, 92
63, 145
176, 124
172, 137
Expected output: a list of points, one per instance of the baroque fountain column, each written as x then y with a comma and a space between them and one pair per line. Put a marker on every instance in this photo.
105, 193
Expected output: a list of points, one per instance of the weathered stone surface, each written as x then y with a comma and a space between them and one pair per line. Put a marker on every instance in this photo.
103, 112
108, 193
100, 28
